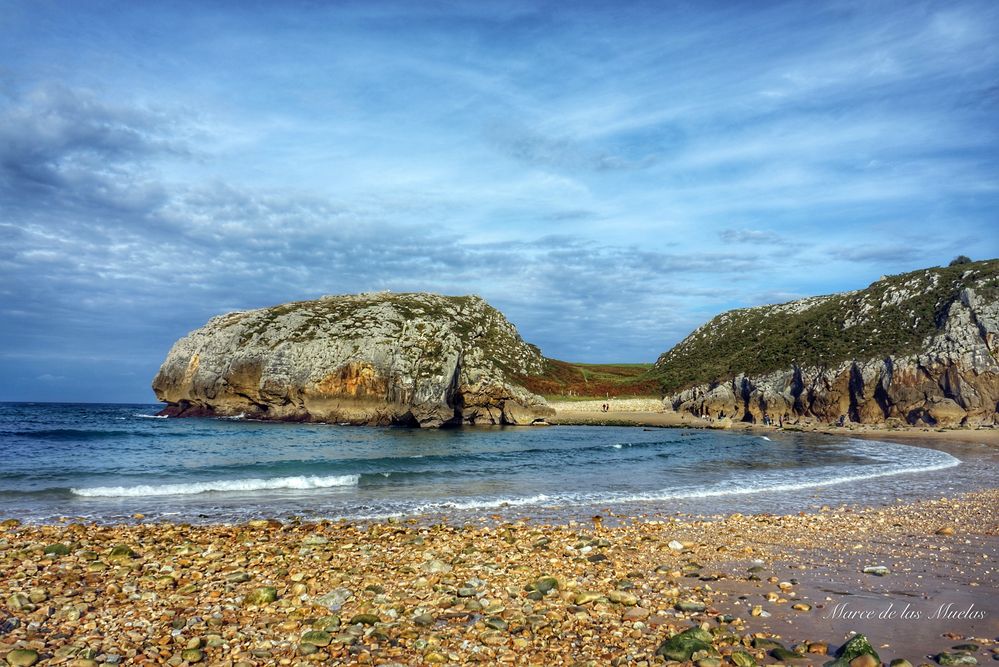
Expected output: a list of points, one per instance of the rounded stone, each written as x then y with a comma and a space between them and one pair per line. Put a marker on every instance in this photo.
192, 655
317, 638
865, 660
261, 596
57, 550
22, 657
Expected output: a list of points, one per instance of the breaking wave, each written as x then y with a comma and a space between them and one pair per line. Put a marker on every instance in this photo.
297, 482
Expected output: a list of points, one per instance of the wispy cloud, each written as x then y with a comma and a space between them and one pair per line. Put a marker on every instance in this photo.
610, 177
749, 236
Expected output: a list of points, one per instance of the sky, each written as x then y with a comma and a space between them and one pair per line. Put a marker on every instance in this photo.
609, 175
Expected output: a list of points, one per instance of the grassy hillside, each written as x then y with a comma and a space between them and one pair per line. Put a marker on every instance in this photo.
566, 380
892, 316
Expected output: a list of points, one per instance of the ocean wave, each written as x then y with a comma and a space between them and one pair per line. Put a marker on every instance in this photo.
907, 459
142, 416
299, 482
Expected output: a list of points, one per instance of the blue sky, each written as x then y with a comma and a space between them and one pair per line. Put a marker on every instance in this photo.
610, 175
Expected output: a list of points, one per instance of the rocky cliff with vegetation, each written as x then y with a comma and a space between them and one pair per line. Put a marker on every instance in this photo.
919, 348
382, 358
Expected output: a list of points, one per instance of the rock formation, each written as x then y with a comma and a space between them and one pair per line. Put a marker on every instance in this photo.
378, 358
920, 348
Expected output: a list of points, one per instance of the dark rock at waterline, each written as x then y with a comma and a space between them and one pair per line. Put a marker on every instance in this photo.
857, 646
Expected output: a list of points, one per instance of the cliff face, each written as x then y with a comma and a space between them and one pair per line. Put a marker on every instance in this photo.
383, 358
920, 348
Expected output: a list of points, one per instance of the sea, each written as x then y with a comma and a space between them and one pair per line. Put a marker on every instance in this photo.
109, 462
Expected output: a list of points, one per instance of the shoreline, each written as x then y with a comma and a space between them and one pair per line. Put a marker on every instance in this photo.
656, 419
408, 593
468, 589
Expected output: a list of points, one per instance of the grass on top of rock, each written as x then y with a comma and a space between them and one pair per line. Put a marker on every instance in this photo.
563, 380
892, 316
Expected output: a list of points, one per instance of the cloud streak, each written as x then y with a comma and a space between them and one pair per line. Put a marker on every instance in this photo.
609, 179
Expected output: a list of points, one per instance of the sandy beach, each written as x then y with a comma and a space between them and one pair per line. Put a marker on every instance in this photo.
649, 412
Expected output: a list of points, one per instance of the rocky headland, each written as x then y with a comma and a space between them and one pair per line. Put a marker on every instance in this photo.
378, 358
917, 349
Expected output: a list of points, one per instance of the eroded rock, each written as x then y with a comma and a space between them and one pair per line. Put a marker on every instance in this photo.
377, 358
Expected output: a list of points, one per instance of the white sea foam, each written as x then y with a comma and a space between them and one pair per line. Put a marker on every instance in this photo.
482, 503
150, 416
297, 482
903, 459
766, 438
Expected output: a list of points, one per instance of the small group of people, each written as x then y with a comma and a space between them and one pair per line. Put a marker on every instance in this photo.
605, 407
767, 421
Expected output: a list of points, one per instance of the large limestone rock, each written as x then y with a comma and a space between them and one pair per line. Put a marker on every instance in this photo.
949, 377
379, 358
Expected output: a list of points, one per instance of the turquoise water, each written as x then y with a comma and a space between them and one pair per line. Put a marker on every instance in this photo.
106, 462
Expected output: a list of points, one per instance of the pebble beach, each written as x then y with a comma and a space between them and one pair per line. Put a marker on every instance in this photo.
729, 589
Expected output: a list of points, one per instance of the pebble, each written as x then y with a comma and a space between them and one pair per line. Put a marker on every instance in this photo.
261, 596
865, 660
947, 659
536, 593
546, 584
317, 638
586, 597
818, 648
623, 597
57, 549
335, 599
636, 614
742, 659
783, 654
22, 657
496, 623
192, 655
364, 619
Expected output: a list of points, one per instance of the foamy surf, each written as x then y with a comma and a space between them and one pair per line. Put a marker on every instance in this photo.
904, 459
300, 482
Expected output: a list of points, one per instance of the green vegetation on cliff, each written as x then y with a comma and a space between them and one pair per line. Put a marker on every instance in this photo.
893, 316
387, 316
562, 380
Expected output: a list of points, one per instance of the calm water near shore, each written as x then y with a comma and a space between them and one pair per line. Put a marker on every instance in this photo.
107, 462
